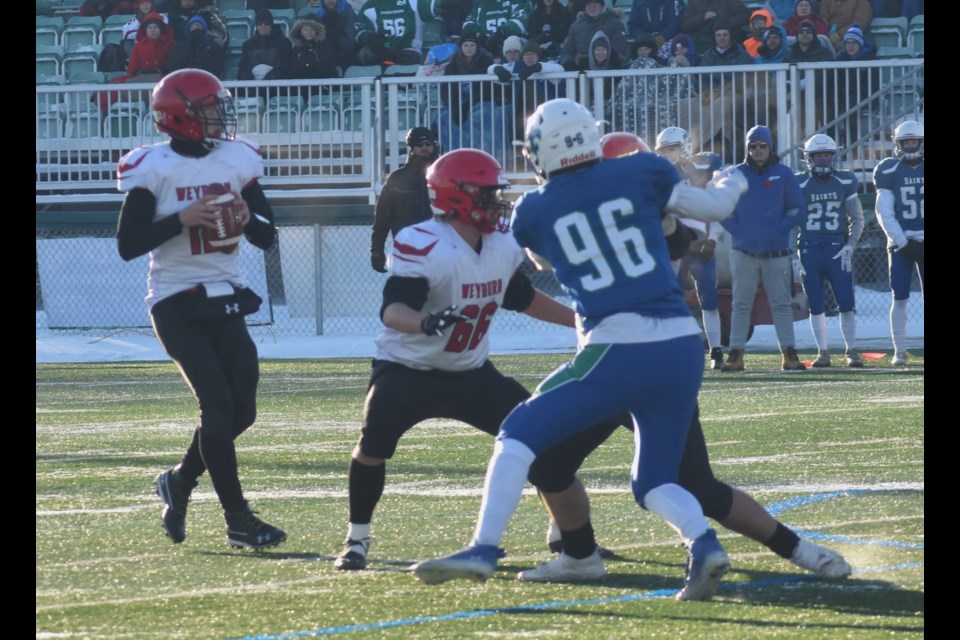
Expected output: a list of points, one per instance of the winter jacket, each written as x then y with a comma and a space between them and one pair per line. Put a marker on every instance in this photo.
656, 17
150, 56
768, 56
549, 29
844, 13
581, 34
820, 27
816, 53
274, 50
751, 44
199, 50
403, 201
729, 12
311, 58
734, 54
769, 209
341, 25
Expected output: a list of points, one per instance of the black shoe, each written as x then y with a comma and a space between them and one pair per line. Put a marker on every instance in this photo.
175, 498
244, 529
716, 358
354, 556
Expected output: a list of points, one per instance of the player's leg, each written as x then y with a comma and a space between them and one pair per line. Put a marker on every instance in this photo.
397, 398
745, 278
901, 273
663, 407
842, 284
706, 283
813, 286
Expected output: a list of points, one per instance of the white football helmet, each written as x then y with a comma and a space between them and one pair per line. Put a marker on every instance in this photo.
908, 130
820, 143
561, 134
675, 136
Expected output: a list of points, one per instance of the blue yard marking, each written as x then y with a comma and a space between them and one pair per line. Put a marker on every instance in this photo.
774, 509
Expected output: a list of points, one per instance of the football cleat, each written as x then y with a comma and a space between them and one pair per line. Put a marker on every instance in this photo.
354, 556
824, 562
854, 360
476, 562
716, 358
565, 568
706, 565
246, 530
823, 360
170, 487
899, 359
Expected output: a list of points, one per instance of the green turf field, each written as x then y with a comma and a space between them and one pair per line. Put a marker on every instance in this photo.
837, 453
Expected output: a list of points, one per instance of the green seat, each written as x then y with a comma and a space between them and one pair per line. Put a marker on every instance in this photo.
286, 102
401, 70
112, 30
889, 32
49, 29
239, 25
915, 35
363, 71
80, 31
283, 19
894, 53
353, 117
321, 118
81, 59
281, 120
49, 60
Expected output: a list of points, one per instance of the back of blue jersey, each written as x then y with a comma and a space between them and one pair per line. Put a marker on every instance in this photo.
905, 181
600, 229
825, 217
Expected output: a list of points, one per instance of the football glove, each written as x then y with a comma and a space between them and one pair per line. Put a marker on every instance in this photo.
434, 324
378, 260
912, 251
846, 258
798, 271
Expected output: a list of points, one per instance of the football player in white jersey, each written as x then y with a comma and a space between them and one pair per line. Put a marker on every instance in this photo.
448, 277
168, 213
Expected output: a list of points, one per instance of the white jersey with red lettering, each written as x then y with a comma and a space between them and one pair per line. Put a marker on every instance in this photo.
457, 275
176, 181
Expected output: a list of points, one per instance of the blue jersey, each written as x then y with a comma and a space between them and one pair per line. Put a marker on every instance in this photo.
824, 219
600, 229
905, 181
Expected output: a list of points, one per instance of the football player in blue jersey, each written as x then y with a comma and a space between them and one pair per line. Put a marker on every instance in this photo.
603, 227
830, 228
899, 182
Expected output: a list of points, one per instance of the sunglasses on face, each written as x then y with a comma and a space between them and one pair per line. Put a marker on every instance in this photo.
757, 145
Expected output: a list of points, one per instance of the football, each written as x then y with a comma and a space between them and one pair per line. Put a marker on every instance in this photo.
227, 234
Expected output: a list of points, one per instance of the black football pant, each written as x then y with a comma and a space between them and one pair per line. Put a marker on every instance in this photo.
219, 363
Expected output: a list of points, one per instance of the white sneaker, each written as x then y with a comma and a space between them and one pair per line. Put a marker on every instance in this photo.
899, 360
566, 569
824, 562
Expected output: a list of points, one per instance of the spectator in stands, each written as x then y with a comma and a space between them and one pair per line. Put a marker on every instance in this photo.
808, 47
404, 200
806, 10
340, 21
452, 14
725, 50
180, 11
644, 46
577, 50
781, 10
268, 54
660, 18
841, 14
388, 34
774, 47
856, 85
760, 21
105, 8
148, 59
493, 21
459, 98
683, 52
527, 92
700, 16
130, 30
512, 50
549, 24
199, 49
313, 55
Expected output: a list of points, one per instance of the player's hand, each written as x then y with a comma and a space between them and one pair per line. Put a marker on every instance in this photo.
845, 256
707, 249
730, 175
200, 213
434, 324
378, 260
798, 271
912, 251
240, 208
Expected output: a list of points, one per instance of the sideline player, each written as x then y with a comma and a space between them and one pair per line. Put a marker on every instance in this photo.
829, 231
610, 252
169, 187
899, 182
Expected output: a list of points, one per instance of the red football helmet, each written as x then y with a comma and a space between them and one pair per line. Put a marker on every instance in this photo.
619, 144
193, 105
466, 184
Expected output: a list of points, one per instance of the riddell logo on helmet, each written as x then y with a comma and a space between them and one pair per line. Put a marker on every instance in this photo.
577, 159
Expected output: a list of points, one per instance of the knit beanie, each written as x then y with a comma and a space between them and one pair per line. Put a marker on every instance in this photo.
760, 133
512, 43
854, 33
531, 47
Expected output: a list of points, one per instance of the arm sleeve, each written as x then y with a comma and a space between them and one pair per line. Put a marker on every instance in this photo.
137, 233
519, 293
409, 291
855, 215
381, 218
260, 230
887, 218
709, 205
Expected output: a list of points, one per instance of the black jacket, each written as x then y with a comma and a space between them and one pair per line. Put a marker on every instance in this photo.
404, 201
273, 50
